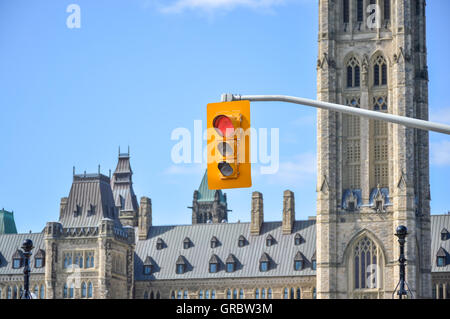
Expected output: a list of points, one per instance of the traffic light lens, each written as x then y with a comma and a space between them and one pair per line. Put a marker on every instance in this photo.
225, 149
223, 125
225, 169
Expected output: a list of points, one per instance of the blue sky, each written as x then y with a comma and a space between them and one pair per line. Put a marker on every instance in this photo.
138, 69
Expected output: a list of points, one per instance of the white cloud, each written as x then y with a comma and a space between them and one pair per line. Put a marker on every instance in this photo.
440, 153
441, 115
299, 170
179, 6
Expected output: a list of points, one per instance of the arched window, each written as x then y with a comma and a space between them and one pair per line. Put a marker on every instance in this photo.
179, 294
90, 290
207, 294
299, 293
286, 293
172, 295
235, 293
15, 292
65, 291
84, 292
213, 294
257, 293
380, 71
9, 293
185, 294
228, 293
90, 259
42, 292
292, 294
241, 293
263, 293
353, 73
36, 291
152, 295
158, 295
314, 293
365, 261
269, 293
200, 294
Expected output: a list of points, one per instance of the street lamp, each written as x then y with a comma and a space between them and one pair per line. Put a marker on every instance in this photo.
27, 246
401, 233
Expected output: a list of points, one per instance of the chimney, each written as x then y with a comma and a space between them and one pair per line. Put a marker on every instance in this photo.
62, 207
145, 217
257, 217
288, 212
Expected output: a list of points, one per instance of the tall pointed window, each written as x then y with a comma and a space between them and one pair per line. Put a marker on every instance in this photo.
359, 10
352, 148
366, 268
353, 73
380, 71
346, 11
387, 10
380, 145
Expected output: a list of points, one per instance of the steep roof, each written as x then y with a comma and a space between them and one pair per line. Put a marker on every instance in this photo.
439, 247
207, 195
122, 185
282, 253
10, 243
7, 223
90, 200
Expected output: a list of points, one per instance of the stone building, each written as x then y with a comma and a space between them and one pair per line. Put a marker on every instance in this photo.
372, 177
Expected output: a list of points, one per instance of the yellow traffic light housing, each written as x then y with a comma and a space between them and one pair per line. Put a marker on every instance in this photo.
228, 125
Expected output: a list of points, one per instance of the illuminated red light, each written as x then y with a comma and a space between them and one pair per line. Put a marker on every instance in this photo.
223, 125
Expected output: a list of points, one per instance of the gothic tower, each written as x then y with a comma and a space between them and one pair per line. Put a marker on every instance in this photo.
372, 176
209, 206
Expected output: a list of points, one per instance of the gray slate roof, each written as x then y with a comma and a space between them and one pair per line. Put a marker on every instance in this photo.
197, 257
10, 243
87, 190
438, 224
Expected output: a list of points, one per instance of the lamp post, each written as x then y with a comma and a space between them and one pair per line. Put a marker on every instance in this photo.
27, 246
401, 233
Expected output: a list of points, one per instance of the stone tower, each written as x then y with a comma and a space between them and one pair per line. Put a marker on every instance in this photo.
372, 176
209, 206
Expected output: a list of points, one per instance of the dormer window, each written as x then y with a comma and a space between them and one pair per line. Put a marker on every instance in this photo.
159, 244
299, 261
298, 239
231, 263
270, 241
441, 258
77, 211
186, 243
214, 264
91, 210
148, 266
17, 259
444, 234
241, 241
180, 265
264, 263
214, 242
39, 259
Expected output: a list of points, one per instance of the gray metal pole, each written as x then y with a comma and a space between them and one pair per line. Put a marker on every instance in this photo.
402, 120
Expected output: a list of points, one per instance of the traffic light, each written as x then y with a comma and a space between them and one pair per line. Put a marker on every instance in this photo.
228, 125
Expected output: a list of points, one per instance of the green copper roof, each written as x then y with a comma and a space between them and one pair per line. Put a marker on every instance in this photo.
207, 195
7, 223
